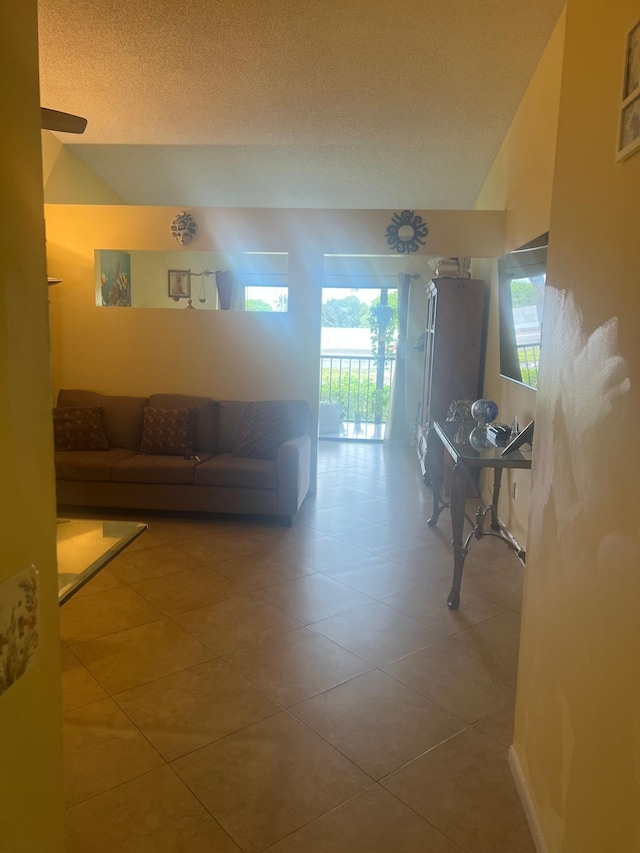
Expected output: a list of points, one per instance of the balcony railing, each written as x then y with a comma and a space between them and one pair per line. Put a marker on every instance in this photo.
529, 358
360, 384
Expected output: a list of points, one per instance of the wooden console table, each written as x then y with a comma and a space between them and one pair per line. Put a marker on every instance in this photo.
454, 437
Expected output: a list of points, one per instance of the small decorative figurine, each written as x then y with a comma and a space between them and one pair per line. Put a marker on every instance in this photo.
460, 410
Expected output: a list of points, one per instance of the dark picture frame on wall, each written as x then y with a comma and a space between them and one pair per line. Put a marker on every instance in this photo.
629, 124
180, 284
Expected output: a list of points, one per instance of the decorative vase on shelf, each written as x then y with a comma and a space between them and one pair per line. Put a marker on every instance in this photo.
484, 411
448, 268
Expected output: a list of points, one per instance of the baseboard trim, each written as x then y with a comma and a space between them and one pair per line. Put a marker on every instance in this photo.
527, 802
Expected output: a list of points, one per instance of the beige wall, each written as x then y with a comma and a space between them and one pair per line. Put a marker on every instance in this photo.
31, 804
577, 737
520, 182
68, 179
224, 354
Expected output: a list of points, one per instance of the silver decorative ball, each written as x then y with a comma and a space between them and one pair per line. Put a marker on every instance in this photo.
484, 411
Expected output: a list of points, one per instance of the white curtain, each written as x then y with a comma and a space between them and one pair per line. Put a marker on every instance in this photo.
396, 429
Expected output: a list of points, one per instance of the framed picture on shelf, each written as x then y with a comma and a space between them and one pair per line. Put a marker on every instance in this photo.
115, 278
179, 284
524, 437
629, 124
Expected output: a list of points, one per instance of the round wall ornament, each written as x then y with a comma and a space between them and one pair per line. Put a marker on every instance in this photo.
183, 228
406, 232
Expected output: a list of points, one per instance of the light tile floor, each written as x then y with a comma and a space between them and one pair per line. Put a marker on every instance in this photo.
232, 685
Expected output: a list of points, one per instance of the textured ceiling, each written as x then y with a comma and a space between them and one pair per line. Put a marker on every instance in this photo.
292, 103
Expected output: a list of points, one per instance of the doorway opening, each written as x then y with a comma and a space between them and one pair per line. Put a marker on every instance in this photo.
359, 336
357, 361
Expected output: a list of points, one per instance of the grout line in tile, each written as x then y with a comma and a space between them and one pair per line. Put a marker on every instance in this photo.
267, 547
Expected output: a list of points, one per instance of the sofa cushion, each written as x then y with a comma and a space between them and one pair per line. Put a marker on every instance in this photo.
79, 428
262, 431
122, 416
168, 432
225, 470
161, 469
95, 465
296, 412
232, 411
230, 417
206, 428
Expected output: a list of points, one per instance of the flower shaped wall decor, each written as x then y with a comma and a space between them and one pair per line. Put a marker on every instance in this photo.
406, 232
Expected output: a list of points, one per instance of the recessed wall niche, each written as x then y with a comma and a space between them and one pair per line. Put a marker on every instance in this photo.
209, 281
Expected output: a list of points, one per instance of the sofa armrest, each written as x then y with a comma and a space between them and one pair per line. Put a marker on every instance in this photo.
293, 469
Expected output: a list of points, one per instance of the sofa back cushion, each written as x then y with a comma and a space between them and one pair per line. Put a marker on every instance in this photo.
230, 413
122, 416
206, 415
294, 412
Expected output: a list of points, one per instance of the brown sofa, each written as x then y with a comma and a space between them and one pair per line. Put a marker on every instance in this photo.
210, 479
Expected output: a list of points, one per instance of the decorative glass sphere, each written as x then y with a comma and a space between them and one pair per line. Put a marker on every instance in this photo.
484, 411
479, 440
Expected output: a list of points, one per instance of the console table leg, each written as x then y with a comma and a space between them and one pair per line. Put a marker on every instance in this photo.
434, 454
438, 503
458, 498
497, 477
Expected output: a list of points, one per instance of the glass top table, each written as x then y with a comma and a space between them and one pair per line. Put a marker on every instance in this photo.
84, 546
469, 449
460, 439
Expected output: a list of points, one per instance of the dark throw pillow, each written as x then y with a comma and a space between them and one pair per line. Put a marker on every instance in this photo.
79, 428
168, 432
261, 433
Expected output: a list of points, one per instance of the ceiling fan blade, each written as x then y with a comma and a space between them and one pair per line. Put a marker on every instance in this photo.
64, 122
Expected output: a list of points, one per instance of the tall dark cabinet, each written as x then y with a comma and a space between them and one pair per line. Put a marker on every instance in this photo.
454, 348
